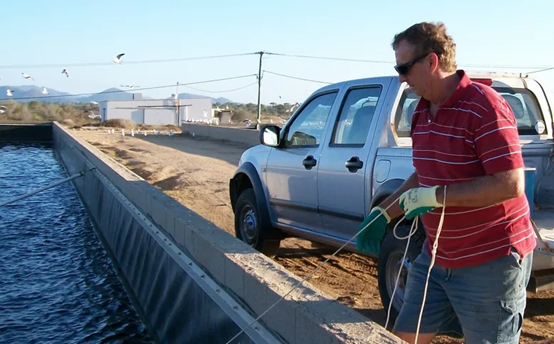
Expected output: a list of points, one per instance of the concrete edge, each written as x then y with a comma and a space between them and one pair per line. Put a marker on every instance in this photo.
248, 137
307, 315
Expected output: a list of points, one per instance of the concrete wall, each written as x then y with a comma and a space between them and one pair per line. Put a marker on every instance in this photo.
249, 137
21, 132
244, 283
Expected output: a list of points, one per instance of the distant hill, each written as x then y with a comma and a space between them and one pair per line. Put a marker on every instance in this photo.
220, 100
31, 92
109, 94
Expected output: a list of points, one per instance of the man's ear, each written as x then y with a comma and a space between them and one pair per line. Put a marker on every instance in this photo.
433, 60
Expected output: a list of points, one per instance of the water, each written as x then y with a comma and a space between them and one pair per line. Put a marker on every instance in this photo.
57, 284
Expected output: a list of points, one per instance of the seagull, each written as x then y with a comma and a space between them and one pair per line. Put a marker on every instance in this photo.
9, 92
92, 115
93, 102
65, 72
45, 91
117, 59
27, 76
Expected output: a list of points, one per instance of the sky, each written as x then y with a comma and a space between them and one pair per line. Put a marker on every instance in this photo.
487, 33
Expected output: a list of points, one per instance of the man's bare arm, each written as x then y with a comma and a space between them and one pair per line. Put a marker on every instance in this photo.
395, 210
484, 191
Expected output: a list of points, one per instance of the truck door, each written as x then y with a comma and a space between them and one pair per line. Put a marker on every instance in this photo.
291, 173
348, 158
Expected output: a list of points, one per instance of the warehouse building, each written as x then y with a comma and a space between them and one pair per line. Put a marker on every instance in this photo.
157, 111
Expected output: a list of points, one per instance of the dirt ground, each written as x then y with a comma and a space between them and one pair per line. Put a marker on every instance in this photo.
196, 173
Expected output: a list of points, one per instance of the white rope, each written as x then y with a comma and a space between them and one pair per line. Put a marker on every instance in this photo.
413, 230
431, 264
15, 199
307, 277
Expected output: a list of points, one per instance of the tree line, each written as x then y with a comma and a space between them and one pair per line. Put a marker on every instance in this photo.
80, 113
35, 111
250, 110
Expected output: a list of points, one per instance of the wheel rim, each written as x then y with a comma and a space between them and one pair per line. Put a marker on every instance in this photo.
394, 264
249, 225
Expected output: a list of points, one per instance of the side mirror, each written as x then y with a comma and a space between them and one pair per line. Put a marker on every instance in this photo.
269, 135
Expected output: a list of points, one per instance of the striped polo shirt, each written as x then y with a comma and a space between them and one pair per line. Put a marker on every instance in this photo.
474, 133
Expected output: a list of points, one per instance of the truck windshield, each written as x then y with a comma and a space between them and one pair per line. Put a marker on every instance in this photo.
522, 101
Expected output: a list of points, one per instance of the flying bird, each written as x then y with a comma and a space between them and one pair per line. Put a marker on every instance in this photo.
9, 92
65, 72
117, 59
92, 115
93, 102
45, 91
27, 76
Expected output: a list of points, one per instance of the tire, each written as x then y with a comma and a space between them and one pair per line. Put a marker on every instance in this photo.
252, 229
392, 251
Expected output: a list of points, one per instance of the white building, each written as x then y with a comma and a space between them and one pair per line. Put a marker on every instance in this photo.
157, 111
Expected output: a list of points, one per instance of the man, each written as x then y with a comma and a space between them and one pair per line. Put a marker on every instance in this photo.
464, 138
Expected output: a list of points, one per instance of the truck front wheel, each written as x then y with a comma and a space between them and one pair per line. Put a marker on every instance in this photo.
252, 229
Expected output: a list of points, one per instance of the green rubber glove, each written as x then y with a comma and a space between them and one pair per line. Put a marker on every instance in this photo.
418, 201
372, 230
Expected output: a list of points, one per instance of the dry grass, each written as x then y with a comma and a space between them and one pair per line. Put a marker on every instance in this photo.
68, 122
119, 123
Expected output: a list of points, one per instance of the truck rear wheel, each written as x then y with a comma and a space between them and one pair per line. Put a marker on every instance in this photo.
389, 263
252, 229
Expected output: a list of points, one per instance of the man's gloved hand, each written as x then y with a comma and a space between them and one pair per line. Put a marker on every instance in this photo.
372, 231
418, 201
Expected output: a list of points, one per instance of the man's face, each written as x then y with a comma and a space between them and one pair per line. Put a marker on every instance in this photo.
412, 69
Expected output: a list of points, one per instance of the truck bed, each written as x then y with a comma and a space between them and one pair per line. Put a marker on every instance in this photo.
542, 277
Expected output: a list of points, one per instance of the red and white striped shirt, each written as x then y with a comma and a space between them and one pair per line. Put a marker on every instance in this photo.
474, 133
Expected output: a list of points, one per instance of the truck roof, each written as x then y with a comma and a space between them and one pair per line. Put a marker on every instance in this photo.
498, 78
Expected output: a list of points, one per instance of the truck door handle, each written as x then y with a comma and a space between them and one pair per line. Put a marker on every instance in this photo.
309, 162
354, 164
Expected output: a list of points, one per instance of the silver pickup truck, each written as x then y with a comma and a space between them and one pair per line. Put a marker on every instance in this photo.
348, 146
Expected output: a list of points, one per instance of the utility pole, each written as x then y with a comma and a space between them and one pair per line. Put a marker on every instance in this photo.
259, 91
177, 104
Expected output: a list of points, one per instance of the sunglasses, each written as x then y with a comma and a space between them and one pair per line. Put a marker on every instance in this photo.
404, 68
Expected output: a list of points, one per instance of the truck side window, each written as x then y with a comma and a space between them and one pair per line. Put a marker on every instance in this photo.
404, 112
355, 116
307, 127
523, 103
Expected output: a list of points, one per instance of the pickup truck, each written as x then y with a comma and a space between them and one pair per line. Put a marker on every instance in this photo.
348, 146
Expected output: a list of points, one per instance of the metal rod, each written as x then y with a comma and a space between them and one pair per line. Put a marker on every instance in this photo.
80, 174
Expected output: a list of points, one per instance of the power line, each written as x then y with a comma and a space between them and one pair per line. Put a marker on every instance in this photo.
298, 78
472, 65
96, 64
330, 58
137, 89
223, 91
343, 59
540, 70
